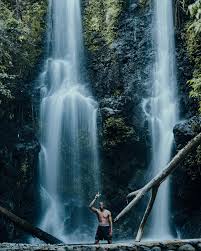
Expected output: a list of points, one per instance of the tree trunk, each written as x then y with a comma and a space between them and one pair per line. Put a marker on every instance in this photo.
158, 179
27, 227
147, 212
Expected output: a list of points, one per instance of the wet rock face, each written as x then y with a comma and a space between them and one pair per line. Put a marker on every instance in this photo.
19, 146
186, 130
185, 66
18, 177
184, 73
19, 149
186, 182
119, 73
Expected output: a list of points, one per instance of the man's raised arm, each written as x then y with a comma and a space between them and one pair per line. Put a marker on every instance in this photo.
92, 203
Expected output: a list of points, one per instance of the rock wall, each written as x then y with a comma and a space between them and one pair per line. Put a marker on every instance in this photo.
22, 29
185, 64
118, 65
119, 55
186, 181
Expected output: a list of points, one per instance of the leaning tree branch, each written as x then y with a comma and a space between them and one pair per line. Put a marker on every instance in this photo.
27, 227
133, 194
158, 179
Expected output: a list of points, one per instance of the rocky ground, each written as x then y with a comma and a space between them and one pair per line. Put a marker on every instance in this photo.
180, 245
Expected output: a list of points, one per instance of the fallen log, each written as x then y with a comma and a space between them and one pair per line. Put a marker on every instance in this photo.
27, 227
157, 180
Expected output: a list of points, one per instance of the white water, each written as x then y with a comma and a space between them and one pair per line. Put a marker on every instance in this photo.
163, 116
69, 158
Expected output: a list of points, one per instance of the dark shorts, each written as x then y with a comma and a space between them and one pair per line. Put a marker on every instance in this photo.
103, 233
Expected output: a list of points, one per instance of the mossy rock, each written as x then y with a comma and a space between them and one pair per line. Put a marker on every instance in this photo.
21, 35
101, 21
117, 132
193, 41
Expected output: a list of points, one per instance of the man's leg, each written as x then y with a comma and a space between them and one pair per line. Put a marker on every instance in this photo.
108, 235
98, 235
109, 241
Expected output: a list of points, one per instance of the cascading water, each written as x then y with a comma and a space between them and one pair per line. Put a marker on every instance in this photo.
164, 112
69, 158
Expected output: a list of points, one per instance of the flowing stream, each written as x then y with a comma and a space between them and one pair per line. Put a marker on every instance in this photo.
163, 114
69, 168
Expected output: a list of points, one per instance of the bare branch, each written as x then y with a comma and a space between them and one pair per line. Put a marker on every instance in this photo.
147, 213
133, 194
158, 179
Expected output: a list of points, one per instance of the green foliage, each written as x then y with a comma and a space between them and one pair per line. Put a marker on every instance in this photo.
195, 9
144, 3
101, 20
117, 132
193, 38
198, 156
20, 42
195, 83
192, 164
24, 167
194, 28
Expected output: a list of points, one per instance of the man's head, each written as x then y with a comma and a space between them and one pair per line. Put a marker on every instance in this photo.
101, 206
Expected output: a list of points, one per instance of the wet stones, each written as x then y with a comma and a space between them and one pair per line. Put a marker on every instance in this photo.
156, 249
199, 246
179, 245
186, 247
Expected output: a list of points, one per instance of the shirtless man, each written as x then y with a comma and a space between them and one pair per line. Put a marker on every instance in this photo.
104, 230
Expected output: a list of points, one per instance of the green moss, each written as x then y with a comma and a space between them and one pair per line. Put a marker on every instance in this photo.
25, 167
117, 92
193, 39
117, 132
101, 21
198, 156
144, 3
20, 41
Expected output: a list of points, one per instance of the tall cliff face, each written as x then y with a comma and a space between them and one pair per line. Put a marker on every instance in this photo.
186, 182
187, 179
21, 33
119, 55
188, 58
118, 42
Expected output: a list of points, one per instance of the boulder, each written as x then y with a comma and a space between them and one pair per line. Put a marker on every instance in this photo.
186, 130
186, 247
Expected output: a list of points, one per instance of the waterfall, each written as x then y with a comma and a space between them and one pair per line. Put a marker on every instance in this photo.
68, 161
163, 115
